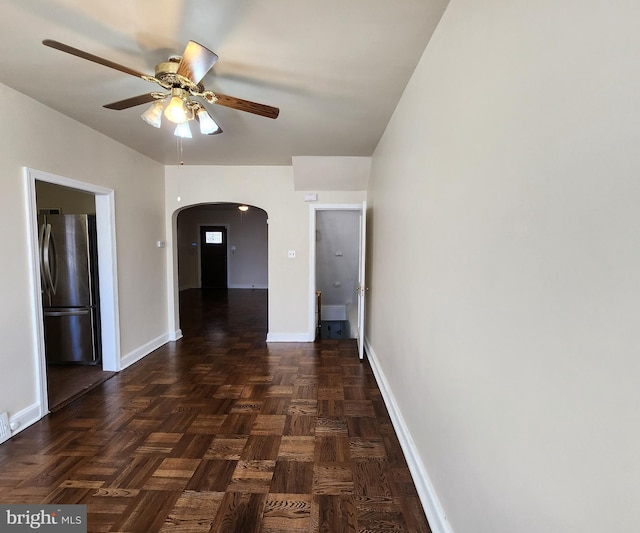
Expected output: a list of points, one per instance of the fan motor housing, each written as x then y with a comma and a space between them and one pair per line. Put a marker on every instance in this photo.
167, 73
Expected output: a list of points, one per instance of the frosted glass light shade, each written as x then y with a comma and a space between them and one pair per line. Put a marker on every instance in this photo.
207, 124
176, 111
183, 130
153, 115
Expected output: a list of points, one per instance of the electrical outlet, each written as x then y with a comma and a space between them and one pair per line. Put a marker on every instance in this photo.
5, 429
291, 254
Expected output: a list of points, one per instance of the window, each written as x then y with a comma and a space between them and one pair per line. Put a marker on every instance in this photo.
213, 237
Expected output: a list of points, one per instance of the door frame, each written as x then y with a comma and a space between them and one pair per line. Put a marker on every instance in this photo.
313, 210
107, 271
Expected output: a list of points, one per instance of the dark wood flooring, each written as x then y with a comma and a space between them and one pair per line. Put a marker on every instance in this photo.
221, 432
65, 383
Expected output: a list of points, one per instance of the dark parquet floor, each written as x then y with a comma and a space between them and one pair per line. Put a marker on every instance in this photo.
222, 432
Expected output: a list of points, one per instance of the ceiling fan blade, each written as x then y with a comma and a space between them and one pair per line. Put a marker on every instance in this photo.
245, 105
86, 55
196, 61
131, 102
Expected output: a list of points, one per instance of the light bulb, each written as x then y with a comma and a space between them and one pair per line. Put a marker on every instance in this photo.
176, 111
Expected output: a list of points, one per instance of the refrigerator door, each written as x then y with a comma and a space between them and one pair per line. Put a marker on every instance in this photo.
69, 335
68, 262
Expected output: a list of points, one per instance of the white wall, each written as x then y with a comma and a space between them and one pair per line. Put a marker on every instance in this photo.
247, 244
508, 178
43, 139
269, 188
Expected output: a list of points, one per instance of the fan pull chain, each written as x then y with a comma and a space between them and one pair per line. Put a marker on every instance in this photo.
179, 140
181, 162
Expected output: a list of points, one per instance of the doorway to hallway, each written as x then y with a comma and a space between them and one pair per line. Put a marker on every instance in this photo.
220, 247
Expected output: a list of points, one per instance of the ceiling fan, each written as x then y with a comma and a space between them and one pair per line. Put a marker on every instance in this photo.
181, 76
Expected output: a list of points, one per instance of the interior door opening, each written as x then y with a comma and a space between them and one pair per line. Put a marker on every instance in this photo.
338, 271
56, 195
219, 246
213, 257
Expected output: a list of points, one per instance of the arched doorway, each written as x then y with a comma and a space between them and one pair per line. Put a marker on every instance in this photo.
241, 236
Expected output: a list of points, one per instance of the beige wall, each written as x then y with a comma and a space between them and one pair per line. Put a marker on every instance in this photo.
43, 139
508, 183
269, 188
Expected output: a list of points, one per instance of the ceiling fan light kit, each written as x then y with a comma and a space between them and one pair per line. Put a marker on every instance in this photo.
181, 75
208, 126
183, 130
153, 115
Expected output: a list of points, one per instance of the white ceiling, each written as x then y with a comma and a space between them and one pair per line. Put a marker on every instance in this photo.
335, 68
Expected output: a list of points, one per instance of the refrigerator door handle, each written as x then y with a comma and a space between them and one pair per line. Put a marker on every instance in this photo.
43, 278
74, 312
49, 247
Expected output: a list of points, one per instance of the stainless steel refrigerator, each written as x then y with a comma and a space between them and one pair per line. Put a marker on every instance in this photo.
69, 273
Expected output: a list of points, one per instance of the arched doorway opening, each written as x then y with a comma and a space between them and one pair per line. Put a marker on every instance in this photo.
221, 241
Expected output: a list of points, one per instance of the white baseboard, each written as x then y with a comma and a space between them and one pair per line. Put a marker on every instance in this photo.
246, 286
426, 492
290, 337
176, 335
144, 350
23, 419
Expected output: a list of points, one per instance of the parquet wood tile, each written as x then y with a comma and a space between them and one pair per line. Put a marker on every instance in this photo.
221, 433
287, 512
294, 477
301, 449
193, 512
300, 425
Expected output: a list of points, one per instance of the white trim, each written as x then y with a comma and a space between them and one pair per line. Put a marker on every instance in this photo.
176, 335
37, 320
107, 265
430, 502
23, 419
108, 281
144, 350
290, 337
246, 286
362, 281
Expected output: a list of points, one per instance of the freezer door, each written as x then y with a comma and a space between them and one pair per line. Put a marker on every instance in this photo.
69, 336
71, 262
